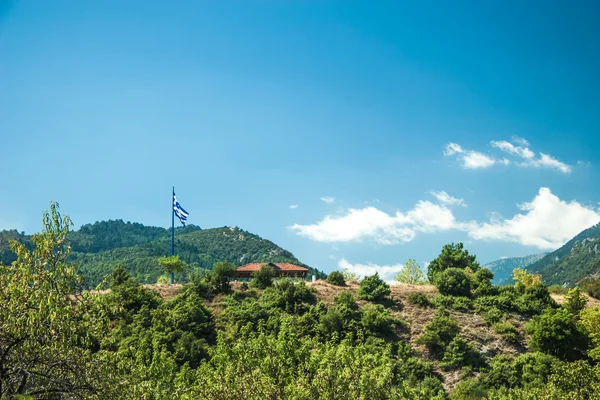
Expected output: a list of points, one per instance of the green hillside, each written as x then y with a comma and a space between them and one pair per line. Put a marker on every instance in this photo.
578, 258
504, 267
100, 247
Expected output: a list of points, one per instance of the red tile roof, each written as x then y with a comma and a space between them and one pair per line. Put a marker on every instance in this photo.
281, 266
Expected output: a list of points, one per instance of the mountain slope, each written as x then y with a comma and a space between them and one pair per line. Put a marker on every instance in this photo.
99, 248
503, 268
578, 258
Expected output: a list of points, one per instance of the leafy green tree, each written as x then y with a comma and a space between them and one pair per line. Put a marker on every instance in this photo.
590, 321
373, 288
439, 333
555, 332
171, 265
452, 256
336, 278
263, 278
220, 276
411, 273
453, 282
48, 333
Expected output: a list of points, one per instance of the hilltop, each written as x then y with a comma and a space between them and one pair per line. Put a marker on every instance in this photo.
99, 248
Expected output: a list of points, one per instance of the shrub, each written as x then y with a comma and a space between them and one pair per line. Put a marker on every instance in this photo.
439, 333
555, 332
219, 277
527, 370
263, 278
508, 331
590, 321
576, 301
524, 279
336, 278
244, 286
419, 299
377, 320
469, 388
459, 353
453, 282
458, 303
535, 299
289, 296
345, 299
494, 315
372, 288
592, 287
163, 279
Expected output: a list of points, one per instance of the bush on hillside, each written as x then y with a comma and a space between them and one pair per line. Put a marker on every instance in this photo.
459, 353
525, 371
453, 282
289, 296
592, 287
452, 256
439, 333
555, 332
220, 276
458, 303
508, 331
419, 299
263, 278
575, 301
345, 299
372, 288
336, 278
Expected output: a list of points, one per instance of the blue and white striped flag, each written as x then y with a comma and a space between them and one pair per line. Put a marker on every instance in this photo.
179, 211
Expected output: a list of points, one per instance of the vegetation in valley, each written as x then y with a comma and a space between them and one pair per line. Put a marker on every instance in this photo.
463, 338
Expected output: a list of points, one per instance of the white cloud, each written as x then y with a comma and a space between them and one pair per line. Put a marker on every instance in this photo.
523, 152
475, 160
445, 198
328, 199
471, 159
385, 272
294, 206
547, 222
452, 148
371, 223
547, 161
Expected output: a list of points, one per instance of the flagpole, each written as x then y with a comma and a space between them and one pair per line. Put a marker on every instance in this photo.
173, 223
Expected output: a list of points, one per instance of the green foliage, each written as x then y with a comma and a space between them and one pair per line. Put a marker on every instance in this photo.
458, 303
528, 371
494, 315
575, 301
468, 389
411, 273
218, 279
263, 278
453, 282
558, 289
419, 299
591, 287
439, 333
289, 296
345, 299
336, 278
508, 331
452, 256
590, 323
378, 321
372, 288
48, 334
555, 332
171, 265
460, 354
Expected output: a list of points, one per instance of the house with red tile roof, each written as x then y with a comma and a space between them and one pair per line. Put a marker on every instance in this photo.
282, 270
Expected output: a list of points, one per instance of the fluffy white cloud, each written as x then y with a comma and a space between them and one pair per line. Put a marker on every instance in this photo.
474, 160
445, 198
547, 161
508, 147
294, 206
520, 141
328, 199
377, 225
386, 272
546, 222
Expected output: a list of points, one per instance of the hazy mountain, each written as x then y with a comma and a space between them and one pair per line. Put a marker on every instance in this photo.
503, 268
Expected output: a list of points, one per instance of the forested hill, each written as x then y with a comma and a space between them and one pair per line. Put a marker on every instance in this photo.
100, 247
577, 259
504, 267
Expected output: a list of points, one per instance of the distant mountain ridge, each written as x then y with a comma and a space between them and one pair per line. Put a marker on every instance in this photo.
503, 268
577, 259
100, 247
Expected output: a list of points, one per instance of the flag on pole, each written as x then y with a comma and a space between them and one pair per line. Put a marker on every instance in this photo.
179, 211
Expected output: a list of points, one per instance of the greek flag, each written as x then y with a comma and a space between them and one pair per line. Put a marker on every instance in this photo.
179, 211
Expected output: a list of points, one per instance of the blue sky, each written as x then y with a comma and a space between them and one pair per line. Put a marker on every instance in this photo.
396, 112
